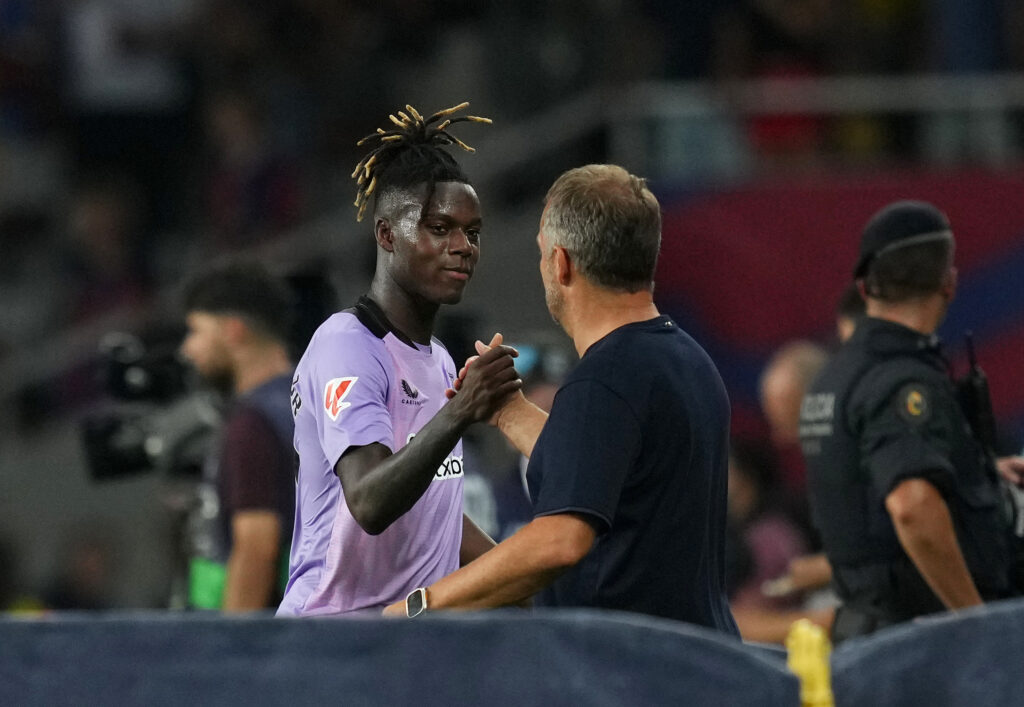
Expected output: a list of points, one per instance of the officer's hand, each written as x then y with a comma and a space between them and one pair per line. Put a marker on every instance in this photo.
1012, 470
806, 572
486, 382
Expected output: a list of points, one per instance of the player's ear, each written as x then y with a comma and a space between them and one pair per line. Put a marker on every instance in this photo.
564, 268
383, 234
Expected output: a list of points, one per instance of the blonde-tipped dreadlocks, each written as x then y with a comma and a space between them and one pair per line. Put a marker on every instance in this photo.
410, 153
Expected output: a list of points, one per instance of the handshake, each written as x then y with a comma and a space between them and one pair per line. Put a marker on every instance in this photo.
487, 383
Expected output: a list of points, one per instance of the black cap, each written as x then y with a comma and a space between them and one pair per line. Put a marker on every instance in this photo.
900, 224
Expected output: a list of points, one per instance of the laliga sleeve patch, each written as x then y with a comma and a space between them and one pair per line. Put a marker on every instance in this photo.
335, 392
914, 403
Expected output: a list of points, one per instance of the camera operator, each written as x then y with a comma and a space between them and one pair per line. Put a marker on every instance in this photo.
238, 325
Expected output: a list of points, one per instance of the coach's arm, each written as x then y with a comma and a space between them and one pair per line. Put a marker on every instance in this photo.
519, 420
515, 569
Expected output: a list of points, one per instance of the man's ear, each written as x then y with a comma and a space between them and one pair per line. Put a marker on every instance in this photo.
949, 284
383, 235
861, 290
235, 329
565, 269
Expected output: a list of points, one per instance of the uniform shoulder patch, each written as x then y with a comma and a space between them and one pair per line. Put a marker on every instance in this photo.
914, 403
335, 392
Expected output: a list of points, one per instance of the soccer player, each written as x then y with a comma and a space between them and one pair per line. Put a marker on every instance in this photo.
379, 486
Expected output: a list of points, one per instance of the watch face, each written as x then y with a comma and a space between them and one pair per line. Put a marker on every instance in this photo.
415, 603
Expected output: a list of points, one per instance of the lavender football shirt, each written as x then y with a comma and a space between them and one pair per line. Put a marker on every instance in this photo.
352, 388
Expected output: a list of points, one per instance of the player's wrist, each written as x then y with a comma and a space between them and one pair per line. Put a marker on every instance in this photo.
457, 414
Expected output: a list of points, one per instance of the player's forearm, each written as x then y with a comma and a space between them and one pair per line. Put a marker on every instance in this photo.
521, 422
926, 532
380, 495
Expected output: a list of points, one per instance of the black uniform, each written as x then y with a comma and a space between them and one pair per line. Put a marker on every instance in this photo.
885, 410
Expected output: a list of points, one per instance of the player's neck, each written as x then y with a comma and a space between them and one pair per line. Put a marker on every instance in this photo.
256, 366
411, 316
595, 312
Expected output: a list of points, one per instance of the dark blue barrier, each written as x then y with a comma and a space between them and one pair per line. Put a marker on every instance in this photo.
499, 658
972, 659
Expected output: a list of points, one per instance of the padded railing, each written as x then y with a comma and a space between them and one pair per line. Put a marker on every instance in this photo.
969, 659
502, 658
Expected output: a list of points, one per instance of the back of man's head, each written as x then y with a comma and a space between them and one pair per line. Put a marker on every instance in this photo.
244, 289
609, 222
784, 381
906, 252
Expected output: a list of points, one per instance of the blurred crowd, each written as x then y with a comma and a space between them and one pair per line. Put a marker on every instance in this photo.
133, 132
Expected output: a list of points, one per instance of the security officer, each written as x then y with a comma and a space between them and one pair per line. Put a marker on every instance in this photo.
908, 505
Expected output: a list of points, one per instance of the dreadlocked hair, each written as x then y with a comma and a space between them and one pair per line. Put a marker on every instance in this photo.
410, 153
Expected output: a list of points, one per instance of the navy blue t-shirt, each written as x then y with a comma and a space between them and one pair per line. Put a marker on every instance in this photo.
637, 442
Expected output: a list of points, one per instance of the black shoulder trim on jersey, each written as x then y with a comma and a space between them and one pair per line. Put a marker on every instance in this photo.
371, 316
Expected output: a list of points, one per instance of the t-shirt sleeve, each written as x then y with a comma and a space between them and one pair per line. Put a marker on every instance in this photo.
905, 436
252, 463
589, 444
349, 388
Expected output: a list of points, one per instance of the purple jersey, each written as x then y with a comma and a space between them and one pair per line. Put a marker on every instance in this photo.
352, 388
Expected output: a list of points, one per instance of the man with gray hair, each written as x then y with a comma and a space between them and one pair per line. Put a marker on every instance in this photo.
628, 474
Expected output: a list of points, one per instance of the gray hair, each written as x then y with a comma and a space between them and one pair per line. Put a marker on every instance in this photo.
610, 223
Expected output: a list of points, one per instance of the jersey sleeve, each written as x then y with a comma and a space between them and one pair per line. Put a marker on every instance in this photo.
589, 444
349, 388
906, 435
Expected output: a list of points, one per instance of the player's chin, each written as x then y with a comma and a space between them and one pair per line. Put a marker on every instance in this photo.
452, 295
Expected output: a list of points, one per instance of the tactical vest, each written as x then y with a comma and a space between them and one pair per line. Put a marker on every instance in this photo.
871, 571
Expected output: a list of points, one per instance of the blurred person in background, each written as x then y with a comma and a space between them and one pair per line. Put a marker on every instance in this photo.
764, 547
783, 383
908, 503
782, 40
849, 312
807, 573
128, 94
85, 577
252, 191
239, 319
103, 258
770, 536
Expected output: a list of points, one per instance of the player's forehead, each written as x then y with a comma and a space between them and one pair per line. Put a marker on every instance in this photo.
453, 200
